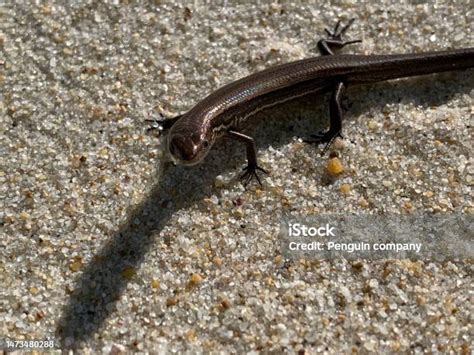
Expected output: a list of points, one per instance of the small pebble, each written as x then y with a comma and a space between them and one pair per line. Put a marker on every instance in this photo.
195, 279
334, 167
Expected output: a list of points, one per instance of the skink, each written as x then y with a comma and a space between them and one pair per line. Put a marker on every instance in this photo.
228, 110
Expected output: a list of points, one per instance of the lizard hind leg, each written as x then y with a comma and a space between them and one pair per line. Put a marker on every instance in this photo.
335, 122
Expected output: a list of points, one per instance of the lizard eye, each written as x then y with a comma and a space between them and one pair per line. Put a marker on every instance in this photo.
205, 144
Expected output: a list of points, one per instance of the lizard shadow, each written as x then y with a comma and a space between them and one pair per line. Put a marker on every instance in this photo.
105, 278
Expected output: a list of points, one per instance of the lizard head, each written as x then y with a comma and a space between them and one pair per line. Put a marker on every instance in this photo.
188, 142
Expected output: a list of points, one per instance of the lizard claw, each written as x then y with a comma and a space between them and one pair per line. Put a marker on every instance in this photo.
161, 123
332, 34
250, 171
334, 38
156, 124
336, 33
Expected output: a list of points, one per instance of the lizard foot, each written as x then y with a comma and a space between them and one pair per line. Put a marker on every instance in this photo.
334, 39
161, 123
250, 171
